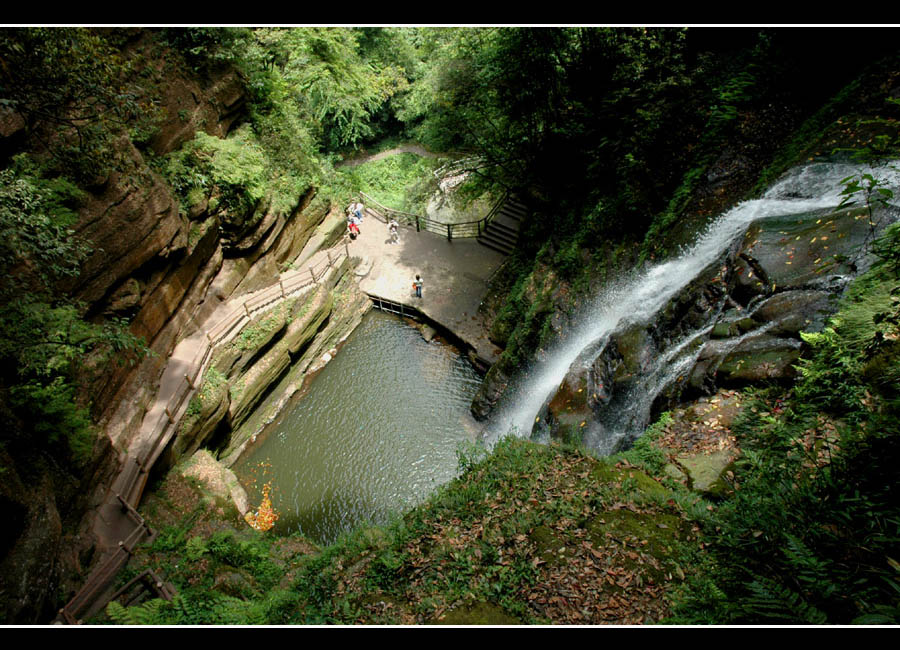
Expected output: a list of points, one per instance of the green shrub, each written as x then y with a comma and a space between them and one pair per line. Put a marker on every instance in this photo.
810, 533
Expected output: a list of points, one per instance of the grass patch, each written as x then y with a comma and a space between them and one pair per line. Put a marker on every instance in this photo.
401, 181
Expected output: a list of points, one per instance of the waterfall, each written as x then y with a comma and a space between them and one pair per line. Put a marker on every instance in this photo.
639, 296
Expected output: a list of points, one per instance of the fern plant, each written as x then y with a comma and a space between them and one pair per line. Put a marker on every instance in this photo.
771, 600
148, 613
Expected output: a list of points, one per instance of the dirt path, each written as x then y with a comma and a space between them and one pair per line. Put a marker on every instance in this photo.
411, 147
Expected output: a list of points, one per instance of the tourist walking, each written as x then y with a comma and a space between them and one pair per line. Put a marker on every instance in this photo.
417, 285
353, 227
392, 230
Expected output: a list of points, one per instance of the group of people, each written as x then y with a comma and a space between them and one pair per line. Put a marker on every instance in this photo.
354, 219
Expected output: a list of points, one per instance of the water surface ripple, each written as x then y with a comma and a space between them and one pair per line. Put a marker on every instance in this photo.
377, 431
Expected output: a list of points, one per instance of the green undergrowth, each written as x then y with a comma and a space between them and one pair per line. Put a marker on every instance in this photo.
210, 392
403, 181
232, 176
810, 533
497, 545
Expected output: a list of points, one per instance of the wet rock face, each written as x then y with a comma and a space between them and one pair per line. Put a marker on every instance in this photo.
693, 307
574, 412
489, 393
741, 318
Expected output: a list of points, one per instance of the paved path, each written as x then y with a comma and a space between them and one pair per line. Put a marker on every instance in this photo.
417, 149
455, 275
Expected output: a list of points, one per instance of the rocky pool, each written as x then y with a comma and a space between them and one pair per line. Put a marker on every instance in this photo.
377, 430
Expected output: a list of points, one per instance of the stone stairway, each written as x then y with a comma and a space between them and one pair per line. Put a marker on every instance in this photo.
502, 233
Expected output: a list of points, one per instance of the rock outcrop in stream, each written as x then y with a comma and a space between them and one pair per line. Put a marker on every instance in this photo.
737, 322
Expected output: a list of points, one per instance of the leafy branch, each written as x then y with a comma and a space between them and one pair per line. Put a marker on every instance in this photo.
873, 194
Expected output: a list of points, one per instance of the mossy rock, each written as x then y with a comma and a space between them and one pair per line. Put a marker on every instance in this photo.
566, 413
383, 601
605, 473
759, 358
285, 549
206, 409
376, 538
476, 614
722, 331
550, 546
746, 325
720, 487
642, 542
705, 470
635, 346
234, 583
219, 485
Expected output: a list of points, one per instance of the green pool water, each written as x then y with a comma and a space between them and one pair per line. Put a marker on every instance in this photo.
376, 432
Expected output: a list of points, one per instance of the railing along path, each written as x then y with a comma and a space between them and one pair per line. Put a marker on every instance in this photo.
130, 484
451, 231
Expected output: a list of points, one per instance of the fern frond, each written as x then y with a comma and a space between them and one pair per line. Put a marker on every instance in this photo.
770, 600
149, 613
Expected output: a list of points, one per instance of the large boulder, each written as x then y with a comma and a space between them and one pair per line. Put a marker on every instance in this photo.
219, 481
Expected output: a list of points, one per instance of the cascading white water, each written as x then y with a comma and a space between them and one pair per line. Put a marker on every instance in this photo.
638, 298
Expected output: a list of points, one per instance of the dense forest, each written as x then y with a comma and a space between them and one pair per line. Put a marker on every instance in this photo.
623, 141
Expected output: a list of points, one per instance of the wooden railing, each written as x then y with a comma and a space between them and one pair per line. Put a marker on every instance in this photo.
451, 231
383, 304
136, 469
85, 603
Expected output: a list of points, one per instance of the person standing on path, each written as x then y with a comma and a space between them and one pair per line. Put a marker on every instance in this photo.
353, 227
392, 230
417, 285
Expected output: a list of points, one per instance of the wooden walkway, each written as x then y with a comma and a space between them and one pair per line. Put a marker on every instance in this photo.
119, 528
456, 271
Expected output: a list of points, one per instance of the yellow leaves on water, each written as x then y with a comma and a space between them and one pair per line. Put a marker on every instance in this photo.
264, 519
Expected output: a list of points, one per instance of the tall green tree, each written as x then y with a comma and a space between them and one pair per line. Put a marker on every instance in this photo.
75, 93
330, 82
565, 111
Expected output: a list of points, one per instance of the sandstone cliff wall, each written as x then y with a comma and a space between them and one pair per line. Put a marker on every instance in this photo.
163, 268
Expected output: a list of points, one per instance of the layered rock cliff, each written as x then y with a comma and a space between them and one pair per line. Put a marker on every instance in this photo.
164, 268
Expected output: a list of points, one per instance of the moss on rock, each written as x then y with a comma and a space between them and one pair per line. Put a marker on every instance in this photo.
476, 614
